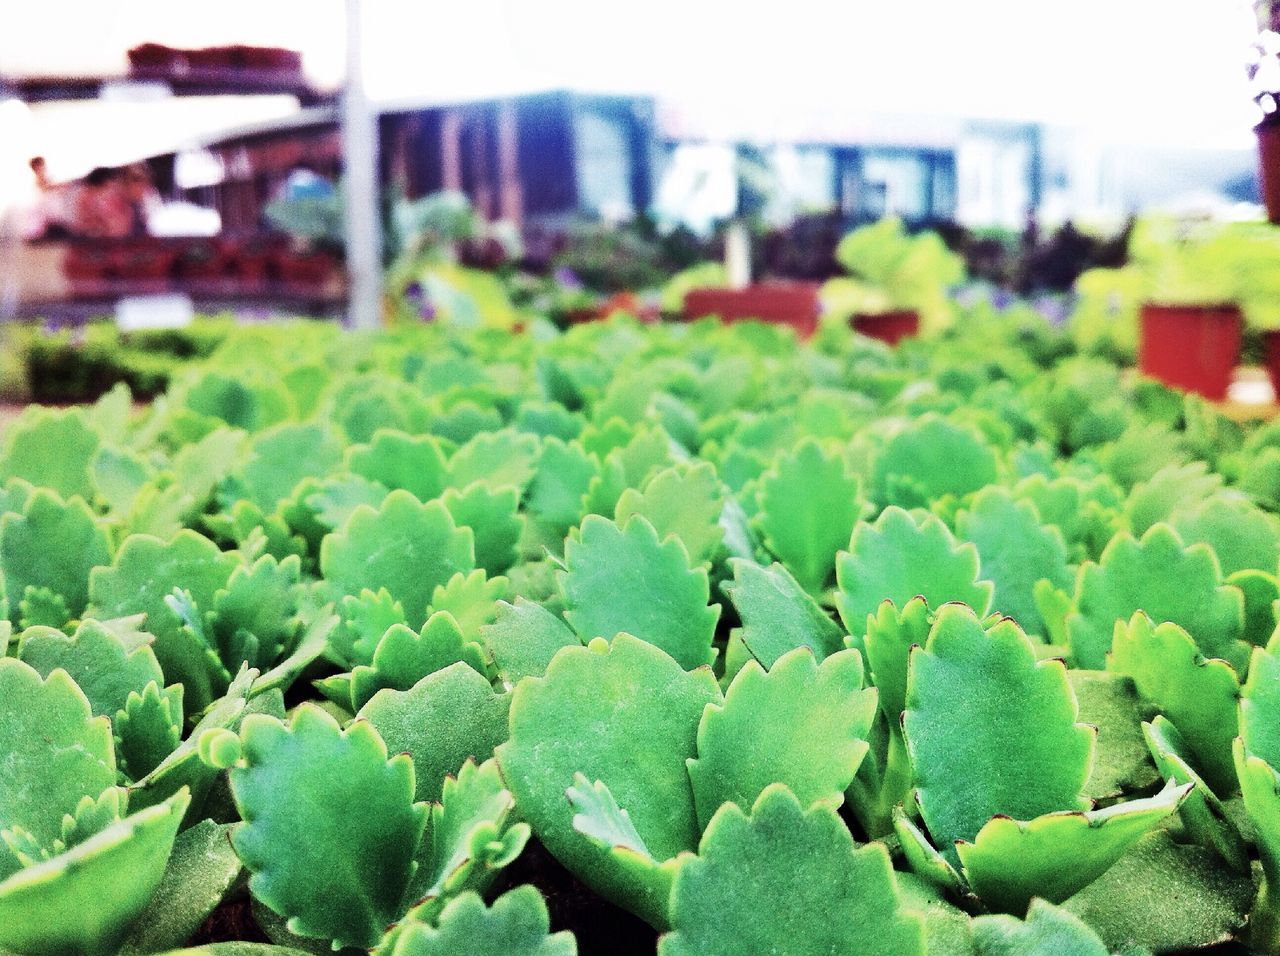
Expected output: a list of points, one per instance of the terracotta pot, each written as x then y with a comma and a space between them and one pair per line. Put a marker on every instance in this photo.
786, 303
1269, 167
888, 327
1191, 347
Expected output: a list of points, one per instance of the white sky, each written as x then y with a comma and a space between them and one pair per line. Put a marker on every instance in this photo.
1155, 72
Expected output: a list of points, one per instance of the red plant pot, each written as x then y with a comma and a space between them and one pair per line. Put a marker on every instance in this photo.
1271, 358
888, 327
1269, 167
305, 269
1191, 347
786, 303
144, 260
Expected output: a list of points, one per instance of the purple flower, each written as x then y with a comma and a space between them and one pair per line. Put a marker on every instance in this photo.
413, 291
1054, 309
568, 279
427, 311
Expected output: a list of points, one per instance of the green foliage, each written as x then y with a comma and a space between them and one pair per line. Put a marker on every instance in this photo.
900, 557
929, 458
626, 714
777, 615
364, 706
801, 723
809, 504
516, 924
52, 544
990, 729
1016, 552
335, 875
1166, 580
758, 880
622, 579
405, 546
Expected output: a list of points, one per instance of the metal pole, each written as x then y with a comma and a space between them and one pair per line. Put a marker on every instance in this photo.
362, 219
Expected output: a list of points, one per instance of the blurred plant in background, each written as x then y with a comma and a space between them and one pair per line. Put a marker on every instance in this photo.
892, 270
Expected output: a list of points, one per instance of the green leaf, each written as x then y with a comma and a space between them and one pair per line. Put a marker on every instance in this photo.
1197, 695
118, 475
516, 925
51, 449
801, 723
565, 472
922, 857
1167, 581
890, 636
97, 660
989, 729
500, 458
415, 463
1261, 592
334, 499
237, 949
1015, 552
335, 874
282, 456
1243, 536
777, 614
83, 901
469, 839
947, 928
147, 729
442, 720
309, 647
405, 546
523, 639
1121, 763
365, 617
145, 571
598, 816
403, 658
472, 599
622, 580
40, 607
683, 500
54, 751
1058, 854
183, 767
929, 458
1170, 490
898, 558
255, 615
1260, 788
786, 880
1202, 812
1166, 897
809, 504
493, 516
1086, 512
53, 544
626, 714
1259, 706
1048, 931
202, 868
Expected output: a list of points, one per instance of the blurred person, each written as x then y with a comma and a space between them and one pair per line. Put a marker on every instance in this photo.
49, 215
142, 197
102, 208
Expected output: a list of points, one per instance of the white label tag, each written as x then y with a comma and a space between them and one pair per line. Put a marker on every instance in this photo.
170, 311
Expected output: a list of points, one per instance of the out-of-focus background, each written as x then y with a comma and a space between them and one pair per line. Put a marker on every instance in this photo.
334, 158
